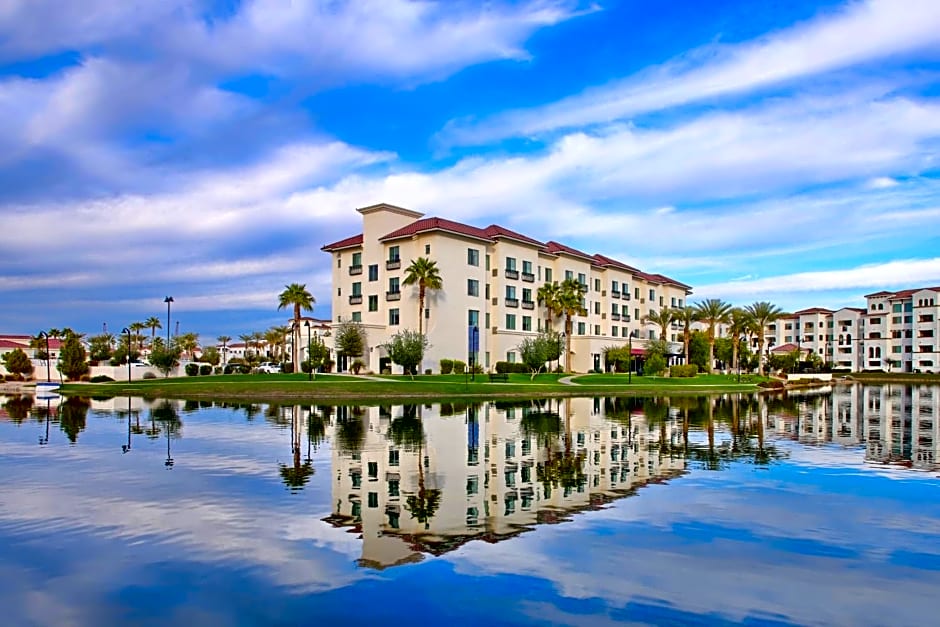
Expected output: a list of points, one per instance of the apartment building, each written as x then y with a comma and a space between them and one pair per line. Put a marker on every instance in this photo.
895, 331
490, 278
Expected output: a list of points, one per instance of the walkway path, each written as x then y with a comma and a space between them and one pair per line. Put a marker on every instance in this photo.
568, 381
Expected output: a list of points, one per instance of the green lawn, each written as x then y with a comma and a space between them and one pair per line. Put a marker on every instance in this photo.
349, 388
700, 380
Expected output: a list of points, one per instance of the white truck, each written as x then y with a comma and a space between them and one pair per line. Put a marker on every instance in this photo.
269, 367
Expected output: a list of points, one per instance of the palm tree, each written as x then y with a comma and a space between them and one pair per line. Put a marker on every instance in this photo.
136, 328
763, 313
224, 340
739, 323
662, 318
712, 311
570, 303
686, 316
548, 295
424, 273
154, 323
246, 340
188, 343
296, 295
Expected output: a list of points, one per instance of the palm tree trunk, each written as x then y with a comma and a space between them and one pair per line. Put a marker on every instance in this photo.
760, 354
568, 329
421, 310
685, 347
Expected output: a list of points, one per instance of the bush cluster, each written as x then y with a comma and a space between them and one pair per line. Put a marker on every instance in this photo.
101, 378
236, 369
683, 371
447, 366
192, 370
13, 377
205, 369
773, 384
287, 367
149, 375
505, 367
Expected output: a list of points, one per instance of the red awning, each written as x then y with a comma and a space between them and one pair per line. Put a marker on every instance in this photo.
638, 351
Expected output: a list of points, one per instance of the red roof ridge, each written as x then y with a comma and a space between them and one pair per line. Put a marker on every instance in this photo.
812, 310
436, 224
495, 230
349, 242
557, 247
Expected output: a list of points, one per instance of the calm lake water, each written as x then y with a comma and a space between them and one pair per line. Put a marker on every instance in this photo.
817, 509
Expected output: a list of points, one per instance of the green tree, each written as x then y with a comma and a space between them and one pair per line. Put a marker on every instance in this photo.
425, 274
350, 339
17, 362
740, 323
406, 348
162, 358
763, 314
136, 328
187, 344
535, 351
73, 413
211, 356
662, 318
686, 316
99, 347
698, 350
571, 302
296, 296
712, 311
656, 351
317, 354
72, 358
549, 296
153, 323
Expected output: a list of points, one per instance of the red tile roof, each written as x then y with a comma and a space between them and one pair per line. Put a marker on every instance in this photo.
494, 231
349, 242
10, 344
783, 348
882, 293
812, 310
436, 224
556, 248
603, 262
664, 279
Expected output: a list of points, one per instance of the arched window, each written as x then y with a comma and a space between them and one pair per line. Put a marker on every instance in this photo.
840, 340
848, 339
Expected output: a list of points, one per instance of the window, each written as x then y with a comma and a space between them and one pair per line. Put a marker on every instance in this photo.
393, 285
652, 295
394, 253
339, 261
636, 292
624, 331
582, 279
510, 357
357, 289
896, 308
615, 309
473, 287
473, 318
580, 328
613, 331
373, 499
526, 267
615, 287
526, 323
527, 295
673, 301
510, 292
373, 303
569, 275
357, 259
597, 307
357, 316
660, 301
473, 257
393, 317
636, 314
427, 249
373, 470
374, 272
510, 263
393, 457
487, 325
548, 275
511, 321
393, 488
473, 485
597, 329
597, 285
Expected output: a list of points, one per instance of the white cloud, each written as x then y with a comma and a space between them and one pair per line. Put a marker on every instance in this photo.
861, 32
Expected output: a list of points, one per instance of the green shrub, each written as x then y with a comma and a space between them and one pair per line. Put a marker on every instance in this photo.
773, 384
459, 366
287, 367
328, 365
428, 371
683, 371
356, 366
305, 367
502, 367
101, 378
476, 369
447, 366
85, 378
655, 365
386, 371
192, 370
149, 375
205, 369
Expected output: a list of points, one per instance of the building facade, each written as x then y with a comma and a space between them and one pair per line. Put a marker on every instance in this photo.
491, 278
895, 331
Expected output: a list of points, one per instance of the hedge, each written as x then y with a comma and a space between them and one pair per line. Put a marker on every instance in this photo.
683, 371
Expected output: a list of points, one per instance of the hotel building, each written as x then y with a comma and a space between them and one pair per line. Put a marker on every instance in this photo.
896, 331
491, 277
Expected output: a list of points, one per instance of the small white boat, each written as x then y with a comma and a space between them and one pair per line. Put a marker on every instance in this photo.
46, 386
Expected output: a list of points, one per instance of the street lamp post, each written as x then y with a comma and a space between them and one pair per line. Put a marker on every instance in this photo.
309, 374
630, 358
128, 332
168, 300
45, 335
125, 448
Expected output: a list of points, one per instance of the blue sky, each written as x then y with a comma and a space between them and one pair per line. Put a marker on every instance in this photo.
206, 149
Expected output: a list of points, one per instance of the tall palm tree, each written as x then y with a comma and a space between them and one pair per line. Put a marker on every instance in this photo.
571, 303
224, 340
712, 311
739, 323
763, 313
136, 328
188, 343
281, 341
662, 318
424, 273
548, 295
154, 323
296, 295
686, 316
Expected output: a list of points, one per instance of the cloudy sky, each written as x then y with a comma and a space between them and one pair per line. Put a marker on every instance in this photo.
206, 149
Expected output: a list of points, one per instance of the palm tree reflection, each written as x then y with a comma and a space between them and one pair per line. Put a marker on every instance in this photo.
295, 477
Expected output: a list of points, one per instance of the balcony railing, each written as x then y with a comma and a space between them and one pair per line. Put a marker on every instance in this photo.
512, 302
528, 304
392, 295
615, 316
355, 299
528, 277
393, 264
354, 270
615, 294
511, 274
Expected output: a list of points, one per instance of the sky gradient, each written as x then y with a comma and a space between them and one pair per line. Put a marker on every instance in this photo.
206, 149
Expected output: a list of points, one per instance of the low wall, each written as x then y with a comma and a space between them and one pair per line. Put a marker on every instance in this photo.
815, 376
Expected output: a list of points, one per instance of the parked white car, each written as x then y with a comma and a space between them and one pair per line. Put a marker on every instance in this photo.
269, 367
